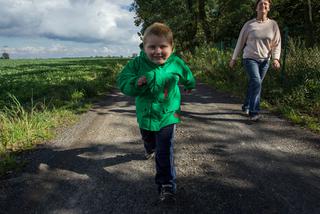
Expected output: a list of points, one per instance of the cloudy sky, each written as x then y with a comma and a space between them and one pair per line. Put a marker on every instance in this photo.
67, 28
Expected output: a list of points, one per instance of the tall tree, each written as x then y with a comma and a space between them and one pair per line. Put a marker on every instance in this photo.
204, 21
5, 56
310, 32
180, 15
195, 22
302, 17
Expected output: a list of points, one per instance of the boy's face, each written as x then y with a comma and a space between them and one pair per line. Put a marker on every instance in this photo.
157, 48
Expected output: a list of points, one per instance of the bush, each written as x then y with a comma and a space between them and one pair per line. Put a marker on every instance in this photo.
5, 56
299, 89
211, 65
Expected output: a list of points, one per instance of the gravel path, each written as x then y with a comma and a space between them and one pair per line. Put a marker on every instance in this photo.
225, 164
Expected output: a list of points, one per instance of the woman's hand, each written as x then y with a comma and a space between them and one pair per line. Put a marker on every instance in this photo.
276, 64
232, 63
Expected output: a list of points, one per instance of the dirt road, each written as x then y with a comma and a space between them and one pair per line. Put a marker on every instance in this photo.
225, 164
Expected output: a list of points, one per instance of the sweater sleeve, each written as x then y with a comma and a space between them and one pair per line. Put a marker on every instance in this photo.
241, 41
276, 43
128, 78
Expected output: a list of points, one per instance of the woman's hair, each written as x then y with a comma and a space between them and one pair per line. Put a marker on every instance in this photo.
257, 2
159, 29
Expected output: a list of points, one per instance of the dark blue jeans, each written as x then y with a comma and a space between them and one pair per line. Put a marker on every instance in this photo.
256, 71
162, 143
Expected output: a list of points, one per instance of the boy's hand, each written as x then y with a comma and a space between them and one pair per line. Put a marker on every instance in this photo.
142, 80
187, 91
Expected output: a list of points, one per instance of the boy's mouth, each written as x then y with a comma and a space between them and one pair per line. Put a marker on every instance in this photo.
158, 57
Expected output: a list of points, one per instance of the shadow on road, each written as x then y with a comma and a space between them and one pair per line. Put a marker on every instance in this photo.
224, 165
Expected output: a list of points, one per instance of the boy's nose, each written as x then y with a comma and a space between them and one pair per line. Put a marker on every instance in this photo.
158, 50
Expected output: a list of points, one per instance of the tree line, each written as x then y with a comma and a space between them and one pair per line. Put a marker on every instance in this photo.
197, 22
5, 56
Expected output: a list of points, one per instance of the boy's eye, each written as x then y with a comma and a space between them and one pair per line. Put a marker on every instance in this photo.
153, 47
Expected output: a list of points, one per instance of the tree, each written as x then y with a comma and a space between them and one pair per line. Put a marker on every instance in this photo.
187, 19
5, 56
228, 17
302, 17
197, 22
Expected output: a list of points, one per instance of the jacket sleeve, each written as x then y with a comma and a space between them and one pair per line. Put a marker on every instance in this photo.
186, 76
128, 78
156, 81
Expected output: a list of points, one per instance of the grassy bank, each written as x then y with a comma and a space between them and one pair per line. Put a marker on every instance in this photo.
37, 96
293, 92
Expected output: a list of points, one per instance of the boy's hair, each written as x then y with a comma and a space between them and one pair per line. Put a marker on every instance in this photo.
257, 2
159, 29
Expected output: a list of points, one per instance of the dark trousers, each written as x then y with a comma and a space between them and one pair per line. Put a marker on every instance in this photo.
162, 143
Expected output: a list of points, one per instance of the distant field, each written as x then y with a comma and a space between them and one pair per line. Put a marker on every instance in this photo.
37, 96
56, 81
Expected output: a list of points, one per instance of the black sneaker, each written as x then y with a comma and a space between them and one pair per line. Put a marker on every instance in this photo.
167, 195
245, 111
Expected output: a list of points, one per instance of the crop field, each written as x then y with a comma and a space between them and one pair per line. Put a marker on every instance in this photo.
39, 95
56, 81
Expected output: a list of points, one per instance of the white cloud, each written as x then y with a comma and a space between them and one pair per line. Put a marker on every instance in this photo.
106, 22
61, 50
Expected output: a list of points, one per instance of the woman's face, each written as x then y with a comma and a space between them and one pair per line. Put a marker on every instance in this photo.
263, 6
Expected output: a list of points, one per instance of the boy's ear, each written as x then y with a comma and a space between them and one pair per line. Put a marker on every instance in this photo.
141, 46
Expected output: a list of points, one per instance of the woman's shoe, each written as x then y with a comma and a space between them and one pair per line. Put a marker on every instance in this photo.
255, 117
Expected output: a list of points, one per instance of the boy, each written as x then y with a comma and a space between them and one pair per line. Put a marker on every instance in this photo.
153, 79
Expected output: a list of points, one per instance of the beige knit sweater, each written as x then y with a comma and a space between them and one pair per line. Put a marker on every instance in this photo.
259, 40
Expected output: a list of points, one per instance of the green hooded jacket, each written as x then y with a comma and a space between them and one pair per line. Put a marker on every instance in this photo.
157, 101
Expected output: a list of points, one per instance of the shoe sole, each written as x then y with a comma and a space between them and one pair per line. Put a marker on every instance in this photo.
149, 156
245, 113
168, 200
254, 119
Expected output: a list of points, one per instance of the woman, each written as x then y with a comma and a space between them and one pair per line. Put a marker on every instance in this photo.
259, 40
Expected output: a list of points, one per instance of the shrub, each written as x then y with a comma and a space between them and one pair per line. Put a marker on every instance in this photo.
299, 89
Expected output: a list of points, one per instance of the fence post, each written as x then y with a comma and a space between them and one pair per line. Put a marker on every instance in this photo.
221, 46
285, 42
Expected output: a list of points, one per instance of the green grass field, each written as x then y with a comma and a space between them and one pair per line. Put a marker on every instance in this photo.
56, 81
39, 95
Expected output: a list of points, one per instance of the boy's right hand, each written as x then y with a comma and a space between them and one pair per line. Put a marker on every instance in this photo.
142, 80
187, 91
